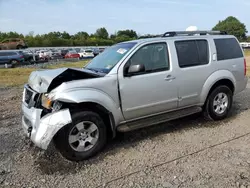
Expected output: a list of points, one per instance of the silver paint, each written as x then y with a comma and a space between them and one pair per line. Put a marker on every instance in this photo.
141, 95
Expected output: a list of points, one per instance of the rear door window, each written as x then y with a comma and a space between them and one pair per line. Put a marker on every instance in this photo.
228, 49
192, 53
3, 53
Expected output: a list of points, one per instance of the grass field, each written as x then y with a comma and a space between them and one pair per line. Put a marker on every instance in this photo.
19, 76
247, 52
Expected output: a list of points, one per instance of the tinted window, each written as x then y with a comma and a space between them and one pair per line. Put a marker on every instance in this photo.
3, 54
88, 51
192, 52
203, 51
227, 49
13, 40
153, 56
6, 53
11, 53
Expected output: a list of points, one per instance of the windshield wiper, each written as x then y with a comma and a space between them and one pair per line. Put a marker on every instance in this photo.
94, 70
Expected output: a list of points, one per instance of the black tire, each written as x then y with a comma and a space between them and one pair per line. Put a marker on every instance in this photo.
209, 111
19, 47
13, 63
31, 60
62, 138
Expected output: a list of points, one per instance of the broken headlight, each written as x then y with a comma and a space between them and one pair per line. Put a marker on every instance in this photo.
46, 102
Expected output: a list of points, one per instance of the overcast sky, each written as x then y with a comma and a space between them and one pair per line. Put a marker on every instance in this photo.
143, 16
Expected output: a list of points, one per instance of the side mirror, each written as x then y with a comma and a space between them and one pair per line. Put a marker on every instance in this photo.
133, 69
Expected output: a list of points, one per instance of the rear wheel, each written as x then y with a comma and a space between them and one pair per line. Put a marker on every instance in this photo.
83, 138
19, 47
13, 63
219, 103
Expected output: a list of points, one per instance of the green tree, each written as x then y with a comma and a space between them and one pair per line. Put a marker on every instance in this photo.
113, 36
81, 35
102, 33
129, 33
65, 35
233, 27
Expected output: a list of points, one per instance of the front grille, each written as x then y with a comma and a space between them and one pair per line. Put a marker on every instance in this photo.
28, 96
31, 97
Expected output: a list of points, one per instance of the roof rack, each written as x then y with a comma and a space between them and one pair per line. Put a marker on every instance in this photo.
149, 36
190, 33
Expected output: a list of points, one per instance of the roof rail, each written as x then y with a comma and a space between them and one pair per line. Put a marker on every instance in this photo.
190, 33
149, 36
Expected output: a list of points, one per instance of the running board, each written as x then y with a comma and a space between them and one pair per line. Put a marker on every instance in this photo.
157, 119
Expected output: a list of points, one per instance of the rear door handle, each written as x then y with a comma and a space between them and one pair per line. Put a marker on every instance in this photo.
169, 78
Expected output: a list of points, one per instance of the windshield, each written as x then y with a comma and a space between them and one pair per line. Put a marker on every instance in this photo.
88, 51
105, 61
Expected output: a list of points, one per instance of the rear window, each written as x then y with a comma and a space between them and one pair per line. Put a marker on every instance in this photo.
192, 53
227, 49
88, 51
14, 40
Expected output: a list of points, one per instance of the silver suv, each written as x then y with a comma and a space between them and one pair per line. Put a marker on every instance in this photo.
133, 85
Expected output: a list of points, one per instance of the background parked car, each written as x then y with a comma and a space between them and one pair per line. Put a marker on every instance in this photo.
96, 51
72, 54
29, 56
56, 55
14, 43
43, 56
77, 50
86, 53
101, 49
10, 58
64, 52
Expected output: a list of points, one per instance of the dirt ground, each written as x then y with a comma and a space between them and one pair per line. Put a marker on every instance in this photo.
190, 152
248, 60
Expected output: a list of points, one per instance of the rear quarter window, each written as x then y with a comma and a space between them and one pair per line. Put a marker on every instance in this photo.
227, 49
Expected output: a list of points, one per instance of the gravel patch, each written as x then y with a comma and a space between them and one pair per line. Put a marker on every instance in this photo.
189, 152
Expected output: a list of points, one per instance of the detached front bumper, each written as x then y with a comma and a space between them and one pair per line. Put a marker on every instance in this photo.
43, 129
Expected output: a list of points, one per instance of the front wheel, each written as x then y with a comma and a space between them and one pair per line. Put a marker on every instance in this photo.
83, 138
219, 103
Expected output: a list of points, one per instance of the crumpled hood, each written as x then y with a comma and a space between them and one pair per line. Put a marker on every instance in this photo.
44, 81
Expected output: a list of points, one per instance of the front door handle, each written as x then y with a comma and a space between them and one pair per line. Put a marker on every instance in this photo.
169, 78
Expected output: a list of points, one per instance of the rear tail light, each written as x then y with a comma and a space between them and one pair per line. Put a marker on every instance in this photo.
21, 56
245, 67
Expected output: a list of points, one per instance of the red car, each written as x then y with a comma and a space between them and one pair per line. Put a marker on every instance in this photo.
72, 55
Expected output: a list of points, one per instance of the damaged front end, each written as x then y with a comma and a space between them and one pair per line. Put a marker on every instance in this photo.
44, 81
42, 118
42, 130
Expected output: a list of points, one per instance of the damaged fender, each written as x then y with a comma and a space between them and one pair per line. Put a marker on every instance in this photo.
49, 126
91, 95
